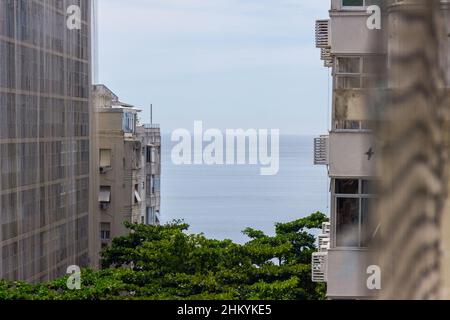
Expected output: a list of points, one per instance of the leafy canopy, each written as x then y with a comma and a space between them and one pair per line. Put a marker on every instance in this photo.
165, 262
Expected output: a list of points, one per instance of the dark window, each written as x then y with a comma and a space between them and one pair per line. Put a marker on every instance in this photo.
356, 225
149, 184
368, 226
368, 187
347, 224
348, 186
350, 65
149, 154
105, 231
352, 3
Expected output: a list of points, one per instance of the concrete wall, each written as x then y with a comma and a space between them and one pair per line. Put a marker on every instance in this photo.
356, 104
348, 156
350, 35
347, 274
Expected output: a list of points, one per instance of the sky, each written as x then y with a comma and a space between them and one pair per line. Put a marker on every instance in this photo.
229, 63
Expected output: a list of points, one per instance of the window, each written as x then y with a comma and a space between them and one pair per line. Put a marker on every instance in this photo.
137, 196
354, 125
360, 72
137, 157
104, 195
347, 222
352, 3
129, 122
354, 200
150, 215
156, 184
153, 184
157, 222
149, 154
153, 155
105, 158
346, 186
105, 231
349, 65
149, 184
348, 72
359, 4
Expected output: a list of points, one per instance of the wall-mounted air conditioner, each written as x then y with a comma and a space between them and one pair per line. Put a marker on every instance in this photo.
319, 267
321, 150
326, 228
324, 242
323, 39
104, 170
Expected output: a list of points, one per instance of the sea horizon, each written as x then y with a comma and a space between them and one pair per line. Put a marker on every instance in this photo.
221, 201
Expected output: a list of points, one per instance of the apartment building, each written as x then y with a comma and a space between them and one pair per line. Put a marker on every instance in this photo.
45, 84
150, 137
349, 150
129, 166
368, 76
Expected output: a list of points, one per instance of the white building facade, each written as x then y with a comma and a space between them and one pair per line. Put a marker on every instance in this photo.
352, 51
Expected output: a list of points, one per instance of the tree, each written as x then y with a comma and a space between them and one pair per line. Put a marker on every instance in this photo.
165, 262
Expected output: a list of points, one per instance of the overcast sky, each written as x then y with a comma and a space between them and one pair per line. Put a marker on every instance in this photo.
230, 63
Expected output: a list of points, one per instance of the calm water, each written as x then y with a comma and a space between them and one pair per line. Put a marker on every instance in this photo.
221, 201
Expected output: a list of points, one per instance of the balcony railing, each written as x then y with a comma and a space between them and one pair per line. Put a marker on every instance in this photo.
152, 126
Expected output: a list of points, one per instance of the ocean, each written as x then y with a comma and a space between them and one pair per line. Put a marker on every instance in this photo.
221, 201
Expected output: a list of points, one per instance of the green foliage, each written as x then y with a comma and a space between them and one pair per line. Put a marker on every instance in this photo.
165, 262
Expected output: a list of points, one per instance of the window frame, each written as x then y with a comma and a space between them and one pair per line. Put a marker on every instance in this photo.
338, 74
360, 196
363, 126
363, 7
362, 74
102, 153
105, 231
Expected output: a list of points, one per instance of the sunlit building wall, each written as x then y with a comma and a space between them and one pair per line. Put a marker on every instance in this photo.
128, 168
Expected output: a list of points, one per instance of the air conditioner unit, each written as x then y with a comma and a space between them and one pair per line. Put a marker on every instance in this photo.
104, 206
104, 170
319, 266
324, 242
321, 150
326, 228
325, 55
323, 34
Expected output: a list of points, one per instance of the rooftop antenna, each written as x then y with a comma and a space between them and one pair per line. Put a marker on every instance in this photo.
151, 114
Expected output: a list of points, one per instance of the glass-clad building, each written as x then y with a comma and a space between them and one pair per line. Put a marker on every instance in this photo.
45, 77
